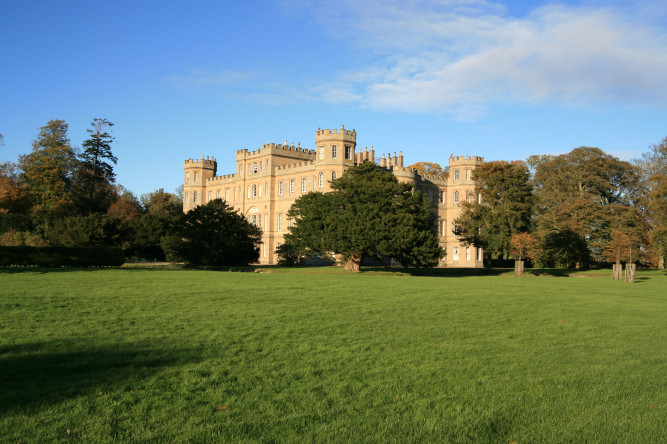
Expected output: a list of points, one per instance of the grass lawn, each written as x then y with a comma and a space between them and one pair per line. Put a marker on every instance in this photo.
320, 355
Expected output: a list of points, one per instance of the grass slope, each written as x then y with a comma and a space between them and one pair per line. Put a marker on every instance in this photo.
206, 356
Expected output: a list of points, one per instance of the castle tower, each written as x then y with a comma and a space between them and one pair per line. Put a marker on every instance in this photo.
336, 147
197, 172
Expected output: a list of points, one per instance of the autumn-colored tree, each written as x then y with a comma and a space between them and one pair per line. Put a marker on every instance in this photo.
48, 171
583, 194
505, 208
524, 245
429, 168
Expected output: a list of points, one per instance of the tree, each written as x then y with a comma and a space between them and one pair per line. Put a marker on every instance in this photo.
47, 173
215, 234
504, 209
585, 194
524, 245
430, 168
368, 213
96, 174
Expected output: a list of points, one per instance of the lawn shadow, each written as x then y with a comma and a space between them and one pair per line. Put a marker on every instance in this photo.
38, 374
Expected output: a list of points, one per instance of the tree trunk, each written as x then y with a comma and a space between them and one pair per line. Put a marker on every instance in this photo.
353, 262
630, 270
518, 268
617, 271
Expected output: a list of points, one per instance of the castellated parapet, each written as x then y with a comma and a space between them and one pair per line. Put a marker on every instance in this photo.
266, 182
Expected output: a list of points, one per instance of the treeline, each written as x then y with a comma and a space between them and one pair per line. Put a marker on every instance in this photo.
572, 210
61, 196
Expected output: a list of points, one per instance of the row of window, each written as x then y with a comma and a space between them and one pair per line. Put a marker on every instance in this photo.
256, 167
455, 254
468, 174
334, 152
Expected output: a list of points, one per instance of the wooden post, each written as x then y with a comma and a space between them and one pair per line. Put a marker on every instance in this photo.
518, 268
630, 270
617, 271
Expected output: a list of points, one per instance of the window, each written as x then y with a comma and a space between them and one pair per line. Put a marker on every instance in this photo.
259, 190
210, 194
260, 167
479, 198
468, 254
303, 185
443, 228
290, 222
279, 222
217, 194
348, 152
441, 197
187, 197
479, 255
280, 188
226, 194
266, 188
333, 176
187, 177
322, 150
196, 176
468, 175
194, 197
254, 191
455, 254
467, 195
291, 186
254, 167
320, 181
456, 197
254, 220
259, 221
456, 174
334, 152
249, 168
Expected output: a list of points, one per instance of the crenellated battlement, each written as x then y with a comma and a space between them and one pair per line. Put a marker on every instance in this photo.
342, 135
293, 166
274, 148
461, 160
205, 163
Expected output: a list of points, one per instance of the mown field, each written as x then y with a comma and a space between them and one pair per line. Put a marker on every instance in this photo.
166, 355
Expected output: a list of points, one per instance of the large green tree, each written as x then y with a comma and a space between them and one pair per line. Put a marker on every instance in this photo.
215, 234
48, 172
582, 196
368, 213
504, 209
95, 174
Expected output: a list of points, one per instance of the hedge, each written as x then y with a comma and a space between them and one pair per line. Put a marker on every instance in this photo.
62, 256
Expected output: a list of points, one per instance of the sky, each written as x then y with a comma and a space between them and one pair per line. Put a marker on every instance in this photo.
499, 79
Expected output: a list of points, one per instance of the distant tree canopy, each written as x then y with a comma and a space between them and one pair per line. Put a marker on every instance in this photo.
505, 208
368, 213
214, 234
429, 168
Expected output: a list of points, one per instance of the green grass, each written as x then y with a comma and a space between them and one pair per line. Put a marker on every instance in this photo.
291, 355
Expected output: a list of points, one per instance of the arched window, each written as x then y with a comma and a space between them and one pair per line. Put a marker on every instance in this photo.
320, 181
333, 176
456, 197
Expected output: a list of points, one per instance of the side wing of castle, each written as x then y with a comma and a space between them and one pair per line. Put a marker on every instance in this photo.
268, 180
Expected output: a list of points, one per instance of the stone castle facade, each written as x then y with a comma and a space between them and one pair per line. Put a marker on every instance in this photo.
267, 181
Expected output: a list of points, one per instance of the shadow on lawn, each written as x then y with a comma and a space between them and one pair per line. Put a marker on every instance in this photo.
32, 375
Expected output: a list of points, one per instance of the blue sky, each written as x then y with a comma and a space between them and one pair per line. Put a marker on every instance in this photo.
499, 79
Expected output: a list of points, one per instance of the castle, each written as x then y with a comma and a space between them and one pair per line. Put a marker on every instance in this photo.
268, 180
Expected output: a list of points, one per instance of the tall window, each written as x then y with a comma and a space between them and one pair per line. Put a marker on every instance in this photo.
320, 181
468, 254
249, 168
322, 150
456, 197
333, 175
479, 255
249, 191
468, 175
348, 152
455, 254
467, 195
194, 197
479, 198
280, 188
196, 176
441, 197
334, 152
291, 186
254, 167
254, 191
266, 188
226, 194
443, 228
260, 167
187, 177
259, 190
456, 174
279, 222
187, 197
290, 222
210, 193
217, 194
303, 185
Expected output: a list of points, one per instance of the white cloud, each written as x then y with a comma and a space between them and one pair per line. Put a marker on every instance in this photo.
460, 56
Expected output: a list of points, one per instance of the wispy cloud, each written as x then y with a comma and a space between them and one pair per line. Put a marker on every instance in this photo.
460, 56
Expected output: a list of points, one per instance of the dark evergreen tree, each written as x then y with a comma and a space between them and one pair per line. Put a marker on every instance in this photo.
95, 175
214, 234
